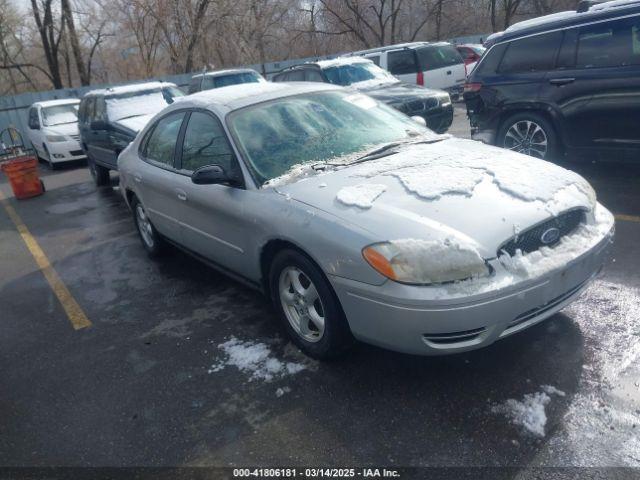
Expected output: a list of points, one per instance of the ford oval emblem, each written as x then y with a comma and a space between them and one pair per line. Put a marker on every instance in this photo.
550, 235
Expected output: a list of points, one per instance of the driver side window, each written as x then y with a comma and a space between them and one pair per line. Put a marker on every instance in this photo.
205, 143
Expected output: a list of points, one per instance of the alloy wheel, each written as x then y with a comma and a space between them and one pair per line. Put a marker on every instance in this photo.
144, 226
526, 136
301, 304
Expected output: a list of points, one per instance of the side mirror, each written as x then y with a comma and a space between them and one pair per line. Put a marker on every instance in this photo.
419, 120
210, 175
99, 125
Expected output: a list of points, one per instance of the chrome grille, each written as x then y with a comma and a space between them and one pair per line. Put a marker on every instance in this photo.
530, 240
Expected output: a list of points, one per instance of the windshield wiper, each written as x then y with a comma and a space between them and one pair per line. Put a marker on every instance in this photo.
390, 149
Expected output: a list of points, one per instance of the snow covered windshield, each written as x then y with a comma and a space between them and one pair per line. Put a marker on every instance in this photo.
146, 102
60, 114
354, 73
316, 127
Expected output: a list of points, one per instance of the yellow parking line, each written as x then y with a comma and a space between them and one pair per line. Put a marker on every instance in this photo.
75, 313
628, 218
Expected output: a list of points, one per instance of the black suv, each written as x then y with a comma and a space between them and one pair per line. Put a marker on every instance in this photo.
565, 85
110, 119
434, 106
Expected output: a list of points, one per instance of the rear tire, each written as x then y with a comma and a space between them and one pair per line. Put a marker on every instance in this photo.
151, 239
99, 173
308, 307
529, 133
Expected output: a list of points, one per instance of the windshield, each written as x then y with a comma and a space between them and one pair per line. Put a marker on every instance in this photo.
60, 114
317, 127
133, 104
353, 73
233, 79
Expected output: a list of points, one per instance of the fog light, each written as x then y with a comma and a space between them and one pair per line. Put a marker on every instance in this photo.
58, 155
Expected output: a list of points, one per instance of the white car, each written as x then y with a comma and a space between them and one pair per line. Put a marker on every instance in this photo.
432, 65
53, 130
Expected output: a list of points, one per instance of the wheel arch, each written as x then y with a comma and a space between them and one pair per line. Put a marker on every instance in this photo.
269, 251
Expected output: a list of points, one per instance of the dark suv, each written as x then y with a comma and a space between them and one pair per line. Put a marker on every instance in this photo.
565, 85
109, 119
360, 74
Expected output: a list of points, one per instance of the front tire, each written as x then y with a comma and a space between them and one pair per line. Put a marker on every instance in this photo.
99, 173
151, 239
529, 133
307, 306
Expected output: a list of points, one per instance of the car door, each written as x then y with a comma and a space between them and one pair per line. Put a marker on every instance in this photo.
35, 132
599, 92
98, 136
442, 67
403, 64
156, 177
212, 217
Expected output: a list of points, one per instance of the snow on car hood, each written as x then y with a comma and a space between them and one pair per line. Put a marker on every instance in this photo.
135, 123
480, 194
62, 129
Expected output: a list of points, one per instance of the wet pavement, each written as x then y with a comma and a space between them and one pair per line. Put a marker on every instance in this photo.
149, 384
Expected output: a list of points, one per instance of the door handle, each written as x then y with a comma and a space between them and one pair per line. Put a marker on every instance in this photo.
448, 72
182, 195
561, 81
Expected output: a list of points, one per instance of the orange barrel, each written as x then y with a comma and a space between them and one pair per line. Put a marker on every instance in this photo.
23, 177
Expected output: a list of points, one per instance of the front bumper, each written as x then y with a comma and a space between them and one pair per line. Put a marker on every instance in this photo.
439, 120
65, 151
408, 319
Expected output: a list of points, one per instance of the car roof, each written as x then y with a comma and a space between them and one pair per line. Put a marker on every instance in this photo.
336, 62
216, 73
401, 46
136, 87
238, 96
567, 19
51, 103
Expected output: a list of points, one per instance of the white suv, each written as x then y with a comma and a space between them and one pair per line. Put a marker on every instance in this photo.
53, 130
433, 65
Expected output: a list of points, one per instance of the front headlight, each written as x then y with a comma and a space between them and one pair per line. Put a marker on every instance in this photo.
425, 262
445, 100
56, 138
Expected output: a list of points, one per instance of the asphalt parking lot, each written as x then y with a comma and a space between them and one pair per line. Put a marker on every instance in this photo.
155, 377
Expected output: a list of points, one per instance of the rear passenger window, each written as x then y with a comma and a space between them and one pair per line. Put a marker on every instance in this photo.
533, 54
313, 76
441, 56
295, 76
375, 59
205, 143
162, 142
611, 44
402, 62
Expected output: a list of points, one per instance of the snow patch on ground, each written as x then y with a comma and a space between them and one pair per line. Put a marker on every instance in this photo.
529, 412
600, 428
362, 195
255, 359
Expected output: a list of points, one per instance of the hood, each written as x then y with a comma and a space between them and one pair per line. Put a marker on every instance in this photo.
457, 188
67, 129
135, 124
398, 92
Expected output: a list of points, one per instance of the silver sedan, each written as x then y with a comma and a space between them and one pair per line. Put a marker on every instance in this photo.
359, 222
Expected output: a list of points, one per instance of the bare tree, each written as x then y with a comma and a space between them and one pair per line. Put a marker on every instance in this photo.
50, 35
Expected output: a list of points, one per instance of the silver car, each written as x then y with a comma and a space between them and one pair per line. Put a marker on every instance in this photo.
360, 223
